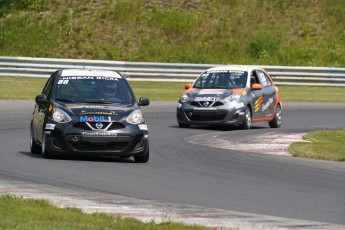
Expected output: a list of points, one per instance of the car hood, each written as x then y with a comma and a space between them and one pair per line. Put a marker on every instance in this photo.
84, 110
219, 94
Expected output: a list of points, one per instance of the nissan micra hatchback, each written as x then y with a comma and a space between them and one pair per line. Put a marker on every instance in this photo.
89, 113
230, 95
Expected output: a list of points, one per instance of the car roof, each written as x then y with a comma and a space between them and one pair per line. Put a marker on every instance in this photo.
233, 68
89, 72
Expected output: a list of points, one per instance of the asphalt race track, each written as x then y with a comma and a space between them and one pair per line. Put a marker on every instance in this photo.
185, 173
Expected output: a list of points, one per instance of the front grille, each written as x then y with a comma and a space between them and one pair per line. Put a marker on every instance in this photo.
200, 104
108, 146
218, 103
116, 125
93, 124
81, 125
205, 116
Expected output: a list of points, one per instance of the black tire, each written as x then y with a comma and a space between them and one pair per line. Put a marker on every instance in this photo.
183, 125
277, 120
247, 122
34, 147
143, 159
45, 147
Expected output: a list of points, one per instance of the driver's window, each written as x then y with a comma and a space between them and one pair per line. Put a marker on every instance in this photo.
49, 86
254, 78
263, 79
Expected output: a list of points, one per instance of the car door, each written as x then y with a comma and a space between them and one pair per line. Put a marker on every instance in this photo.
257, 96
269, 95
42, 110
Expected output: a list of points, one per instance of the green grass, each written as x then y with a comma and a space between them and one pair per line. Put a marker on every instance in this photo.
26, 88
26, 214
288, 33
324, 145
20, 88
312, 94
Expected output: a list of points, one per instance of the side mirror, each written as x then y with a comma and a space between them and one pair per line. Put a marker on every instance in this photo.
41, 99
188, 86
144, 101
256, 86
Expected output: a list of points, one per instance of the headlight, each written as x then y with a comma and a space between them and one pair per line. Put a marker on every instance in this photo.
184, 98
60, 116
135, 117
233, 98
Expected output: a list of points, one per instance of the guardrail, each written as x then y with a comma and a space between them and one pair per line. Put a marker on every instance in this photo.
174, 72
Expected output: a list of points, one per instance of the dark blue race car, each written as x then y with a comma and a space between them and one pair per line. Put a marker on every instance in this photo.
89, 113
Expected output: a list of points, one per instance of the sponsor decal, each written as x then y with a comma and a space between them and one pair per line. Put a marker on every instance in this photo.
111, 113
244, 92
239, 105
204, 108
98, 107
99, 134
94, 118
263, 79
143, 127
225, 71
258, 103
211, 91
50, 126
267, 104
65, 80
205, 99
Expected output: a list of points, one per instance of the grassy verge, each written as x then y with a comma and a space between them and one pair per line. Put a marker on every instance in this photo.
17, 213
25, 88
289, 33
324, 145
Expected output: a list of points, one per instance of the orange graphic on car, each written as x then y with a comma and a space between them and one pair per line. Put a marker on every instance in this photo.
258, 103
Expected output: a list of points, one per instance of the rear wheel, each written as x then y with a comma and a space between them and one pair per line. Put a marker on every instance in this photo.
34, 147
247, 122
277, 120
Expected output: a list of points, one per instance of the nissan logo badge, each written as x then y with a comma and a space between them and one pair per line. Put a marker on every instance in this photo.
99, 125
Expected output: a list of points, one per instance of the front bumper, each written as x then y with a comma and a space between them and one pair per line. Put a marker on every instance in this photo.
226, 114
128, 141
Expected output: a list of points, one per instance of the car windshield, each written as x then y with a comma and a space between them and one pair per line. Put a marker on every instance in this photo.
228, 79
101, 90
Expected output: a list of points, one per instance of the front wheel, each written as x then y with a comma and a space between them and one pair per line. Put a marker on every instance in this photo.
145, 158
34, 147
183, 125
45, 150
142, 159
247, 122
277, 120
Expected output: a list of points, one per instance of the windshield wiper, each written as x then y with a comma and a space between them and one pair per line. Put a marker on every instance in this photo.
64, 99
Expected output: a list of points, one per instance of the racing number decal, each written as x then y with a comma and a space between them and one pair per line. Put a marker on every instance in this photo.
64, 82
